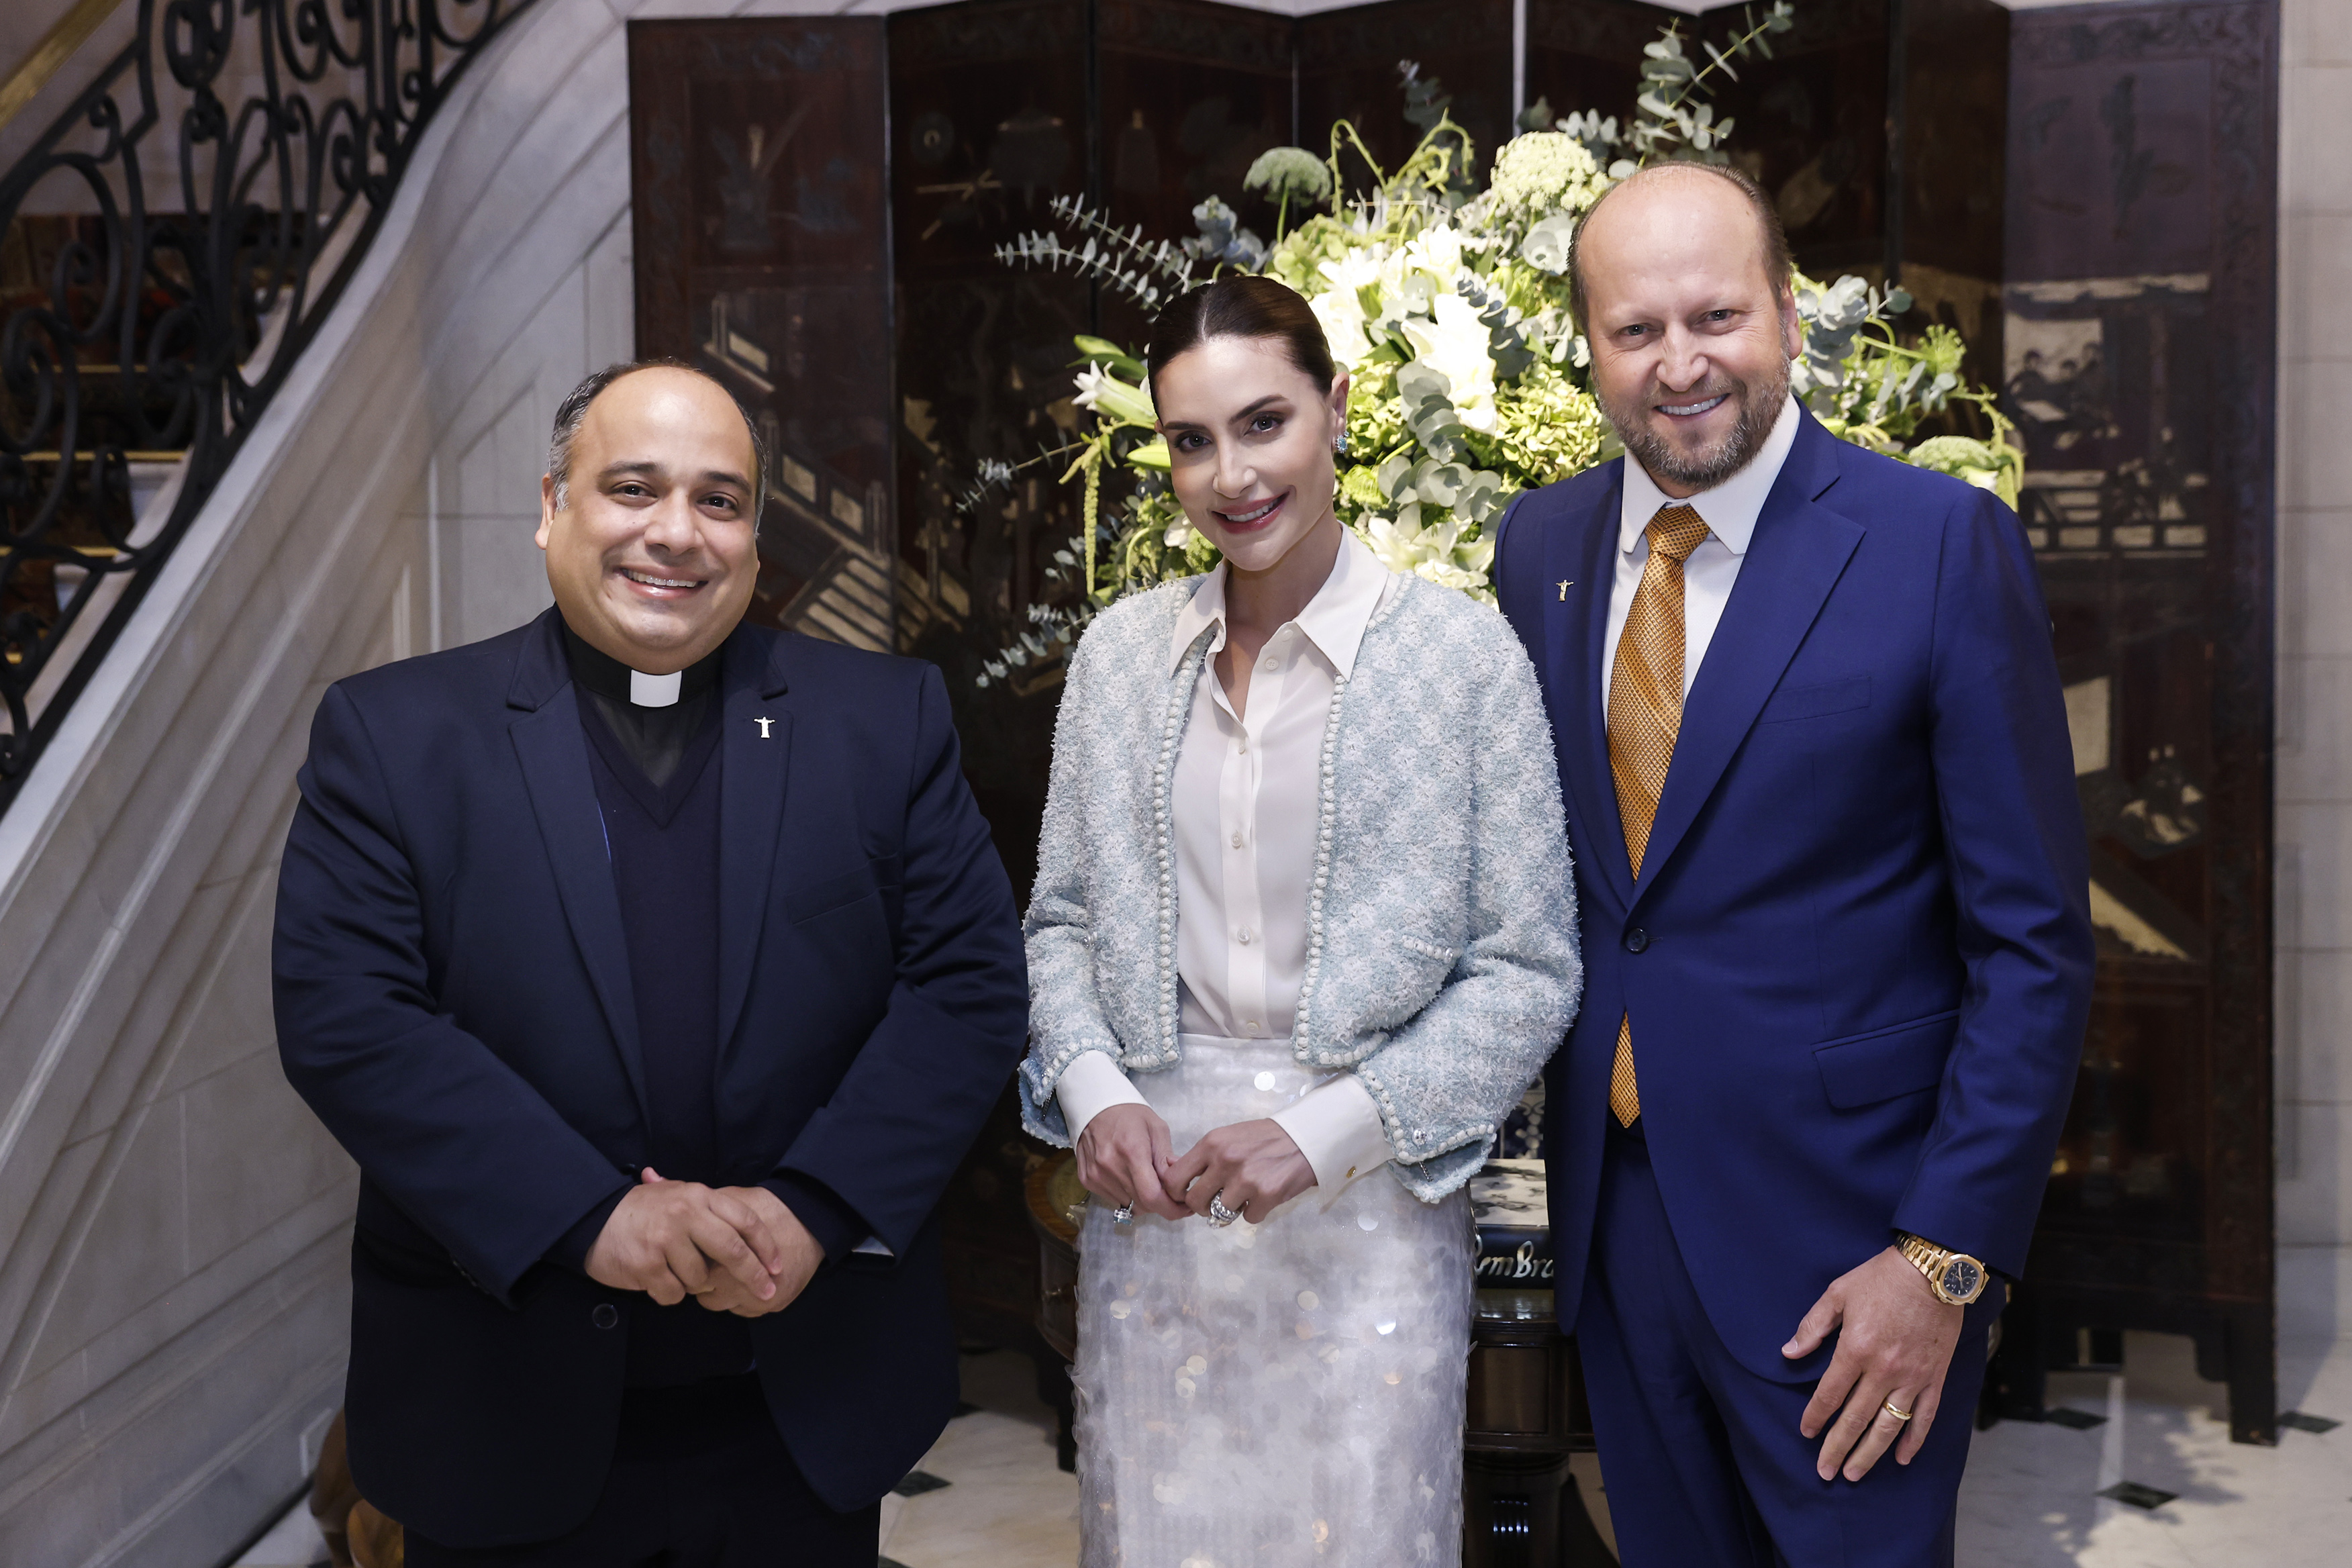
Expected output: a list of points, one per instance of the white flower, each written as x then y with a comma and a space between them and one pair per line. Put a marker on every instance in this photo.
1112, 398
1456, 344
1437, 251
1340, 308
1178, 535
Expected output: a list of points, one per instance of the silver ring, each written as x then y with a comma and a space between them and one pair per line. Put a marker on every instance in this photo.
1219, 1214
1123, 1214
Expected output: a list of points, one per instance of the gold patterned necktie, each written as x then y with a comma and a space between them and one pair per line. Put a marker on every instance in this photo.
1645, 715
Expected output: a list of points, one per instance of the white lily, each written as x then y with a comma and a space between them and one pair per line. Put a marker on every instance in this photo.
1436, 251
1114, 399
1456, 344
1340, 308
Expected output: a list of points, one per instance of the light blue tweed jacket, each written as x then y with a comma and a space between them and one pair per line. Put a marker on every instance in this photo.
1441, 961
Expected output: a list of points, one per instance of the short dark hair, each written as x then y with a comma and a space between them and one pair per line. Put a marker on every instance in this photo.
1777, 261
1241, 305
572, 413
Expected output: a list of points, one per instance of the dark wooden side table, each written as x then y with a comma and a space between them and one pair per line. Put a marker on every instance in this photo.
1526, 1413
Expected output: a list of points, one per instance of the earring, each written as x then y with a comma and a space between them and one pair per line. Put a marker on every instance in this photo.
1340, 444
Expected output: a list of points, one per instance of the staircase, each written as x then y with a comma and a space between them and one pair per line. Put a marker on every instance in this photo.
351, 479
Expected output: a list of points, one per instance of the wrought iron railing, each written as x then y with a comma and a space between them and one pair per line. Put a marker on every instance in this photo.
168, 246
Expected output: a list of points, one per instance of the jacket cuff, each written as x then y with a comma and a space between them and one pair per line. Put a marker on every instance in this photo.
834, 1225
571, 1248
1338, 1128
1091, 1085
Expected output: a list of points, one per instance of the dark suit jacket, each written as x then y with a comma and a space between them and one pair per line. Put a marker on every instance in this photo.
1858, 961
453, 999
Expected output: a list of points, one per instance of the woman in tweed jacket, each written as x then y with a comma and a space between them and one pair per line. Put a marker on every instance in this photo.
1303, 932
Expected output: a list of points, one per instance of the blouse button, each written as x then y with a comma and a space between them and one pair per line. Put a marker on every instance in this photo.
1242, 936
1237, 840
1269, 664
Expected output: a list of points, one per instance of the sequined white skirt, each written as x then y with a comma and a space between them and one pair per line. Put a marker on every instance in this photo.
1274, 1395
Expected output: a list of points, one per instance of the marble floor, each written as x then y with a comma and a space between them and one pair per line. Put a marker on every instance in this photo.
988, 1495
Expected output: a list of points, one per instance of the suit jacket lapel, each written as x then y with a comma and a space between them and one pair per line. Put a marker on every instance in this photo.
554, 755
1796, 556
1583, 555
755, 747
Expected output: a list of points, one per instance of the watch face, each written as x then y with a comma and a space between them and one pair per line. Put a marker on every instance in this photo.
1962, 1278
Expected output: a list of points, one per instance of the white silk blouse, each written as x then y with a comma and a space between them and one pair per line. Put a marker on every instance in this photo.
1247, 813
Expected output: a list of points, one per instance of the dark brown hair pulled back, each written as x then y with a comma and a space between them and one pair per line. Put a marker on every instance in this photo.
1242, 306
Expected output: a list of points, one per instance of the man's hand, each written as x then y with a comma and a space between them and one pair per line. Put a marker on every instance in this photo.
1895, 1346
675, 1239
1255, 1165
796, 1253
1123, 1158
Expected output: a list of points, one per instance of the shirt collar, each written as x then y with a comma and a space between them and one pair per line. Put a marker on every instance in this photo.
1334, 619
603, 674
1730, 509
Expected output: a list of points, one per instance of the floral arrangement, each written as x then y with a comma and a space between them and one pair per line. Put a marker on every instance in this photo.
1448, 306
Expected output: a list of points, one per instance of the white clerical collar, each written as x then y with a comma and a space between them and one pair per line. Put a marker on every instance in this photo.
656, 690
613, 681
1334, 619
1730, 509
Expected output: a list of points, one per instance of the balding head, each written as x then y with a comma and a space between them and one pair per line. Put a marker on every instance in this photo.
1771, 238
1681, 277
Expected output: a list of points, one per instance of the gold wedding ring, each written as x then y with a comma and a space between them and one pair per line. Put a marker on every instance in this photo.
1899, 1415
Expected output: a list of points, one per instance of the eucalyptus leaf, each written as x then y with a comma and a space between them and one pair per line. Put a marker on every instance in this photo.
1394, 474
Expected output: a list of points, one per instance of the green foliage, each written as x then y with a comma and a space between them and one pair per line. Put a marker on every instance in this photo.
1675, 121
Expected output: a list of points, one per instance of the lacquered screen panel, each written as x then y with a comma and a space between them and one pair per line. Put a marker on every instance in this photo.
762, 256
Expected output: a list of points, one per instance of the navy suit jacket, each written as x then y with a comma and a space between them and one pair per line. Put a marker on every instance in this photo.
453, 999
1858, 961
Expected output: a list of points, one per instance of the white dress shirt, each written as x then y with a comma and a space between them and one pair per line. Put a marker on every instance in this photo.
1247, 807
1729, 509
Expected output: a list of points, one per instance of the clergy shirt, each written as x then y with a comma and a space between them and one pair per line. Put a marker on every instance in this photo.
1247, 809
1729, 509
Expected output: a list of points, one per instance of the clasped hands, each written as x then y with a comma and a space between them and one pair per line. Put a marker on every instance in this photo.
734, 1250
1126, 1156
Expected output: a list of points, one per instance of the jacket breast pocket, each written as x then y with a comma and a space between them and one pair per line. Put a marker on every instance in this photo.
1905, 1058
804, 904
1817, 701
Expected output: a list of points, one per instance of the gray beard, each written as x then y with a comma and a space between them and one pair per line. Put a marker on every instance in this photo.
1705, 470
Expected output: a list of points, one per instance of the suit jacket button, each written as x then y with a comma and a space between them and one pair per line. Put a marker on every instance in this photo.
1636, 940
606, 1315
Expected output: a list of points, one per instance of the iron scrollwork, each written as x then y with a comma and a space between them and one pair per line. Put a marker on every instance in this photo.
172, 241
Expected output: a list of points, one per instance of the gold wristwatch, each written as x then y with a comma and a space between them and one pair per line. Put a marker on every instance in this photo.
1954, 1277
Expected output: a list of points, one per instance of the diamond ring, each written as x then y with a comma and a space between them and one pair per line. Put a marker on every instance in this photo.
1123, 1214
1219, 1214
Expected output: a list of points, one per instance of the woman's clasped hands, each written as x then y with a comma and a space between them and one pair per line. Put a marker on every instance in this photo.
1126, 1157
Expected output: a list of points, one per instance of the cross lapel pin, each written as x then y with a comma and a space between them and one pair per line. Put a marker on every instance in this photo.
764, 724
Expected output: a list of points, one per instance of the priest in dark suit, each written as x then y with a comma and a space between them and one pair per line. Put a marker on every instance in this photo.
657, 971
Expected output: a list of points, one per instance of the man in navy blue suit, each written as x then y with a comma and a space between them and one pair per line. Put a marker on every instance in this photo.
1834, 884
657, 971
